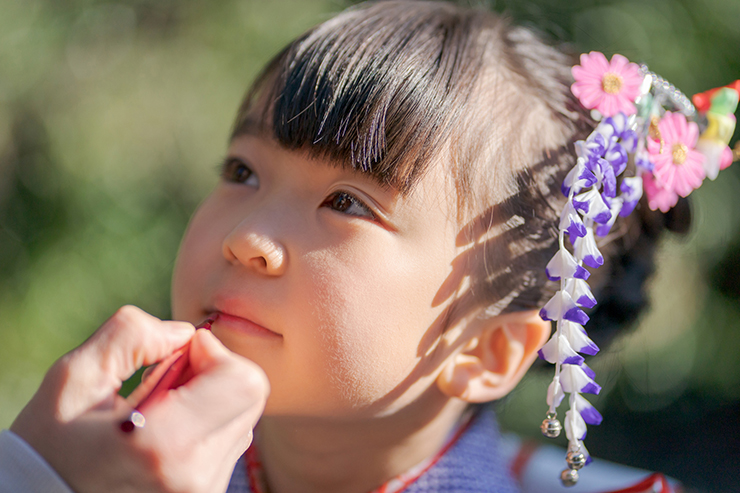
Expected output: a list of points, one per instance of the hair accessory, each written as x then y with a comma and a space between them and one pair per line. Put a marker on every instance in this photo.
674, 145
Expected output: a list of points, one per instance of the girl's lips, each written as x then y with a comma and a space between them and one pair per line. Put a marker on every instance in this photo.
243, 325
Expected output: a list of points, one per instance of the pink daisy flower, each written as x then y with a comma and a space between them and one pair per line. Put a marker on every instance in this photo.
606, 86
658, 197
679, 167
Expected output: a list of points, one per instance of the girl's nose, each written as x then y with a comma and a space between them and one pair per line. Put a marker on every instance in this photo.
257, 251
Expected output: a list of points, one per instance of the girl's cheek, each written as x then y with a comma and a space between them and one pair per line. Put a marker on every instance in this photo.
366, 338
198, 249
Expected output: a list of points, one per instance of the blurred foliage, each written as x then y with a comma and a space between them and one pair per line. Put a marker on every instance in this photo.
114, 115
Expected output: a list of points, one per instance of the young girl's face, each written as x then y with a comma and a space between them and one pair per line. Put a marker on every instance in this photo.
330, 282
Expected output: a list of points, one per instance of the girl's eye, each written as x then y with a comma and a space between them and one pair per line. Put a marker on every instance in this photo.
234, 170
347, 203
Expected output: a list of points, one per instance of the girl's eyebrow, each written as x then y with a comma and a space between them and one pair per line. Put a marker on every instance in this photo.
248, 126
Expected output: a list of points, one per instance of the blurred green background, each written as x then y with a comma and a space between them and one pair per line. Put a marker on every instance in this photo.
113, 117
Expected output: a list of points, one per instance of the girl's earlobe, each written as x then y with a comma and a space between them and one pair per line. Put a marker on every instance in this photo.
491, 365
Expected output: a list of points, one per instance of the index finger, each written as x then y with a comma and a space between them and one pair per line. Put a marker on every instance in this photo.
130, 339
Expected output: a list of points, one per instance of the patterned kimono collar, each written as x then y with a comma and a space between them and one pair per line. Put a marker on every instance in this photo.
470, 462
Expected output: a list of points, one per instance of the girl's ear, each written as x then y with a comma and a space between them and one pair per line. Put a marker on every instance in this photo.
492, 363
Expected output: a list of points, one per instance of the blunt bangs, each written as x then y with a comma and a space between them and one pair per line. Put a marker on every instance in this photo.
378, 89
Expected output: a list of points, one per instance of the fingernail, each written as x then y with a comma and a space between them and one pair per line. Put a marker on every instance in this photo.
181, 330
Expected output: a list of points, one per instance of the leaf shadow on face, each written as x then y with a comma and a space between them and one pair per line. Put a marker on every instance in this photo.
501, 267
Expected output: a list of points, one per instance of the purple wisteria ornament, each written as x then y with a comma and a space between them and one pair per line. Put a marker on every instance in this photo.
643, 120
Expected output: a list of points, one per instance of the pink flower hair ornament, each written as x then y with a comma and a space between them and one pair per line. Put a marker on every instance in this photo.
609, 87
645, 120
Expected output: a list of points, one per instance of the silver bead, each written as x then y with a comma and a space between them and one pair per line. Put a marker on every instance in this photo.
575, 460
551, 427
569, 477
664, 88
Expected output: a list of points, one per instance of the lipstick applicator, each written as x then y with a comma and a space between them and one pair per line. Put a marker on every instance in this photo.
169, 374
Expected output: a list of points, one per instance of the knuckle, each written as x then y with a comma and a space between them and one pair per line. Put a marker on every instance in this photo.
129, 321
118, 343
127, 313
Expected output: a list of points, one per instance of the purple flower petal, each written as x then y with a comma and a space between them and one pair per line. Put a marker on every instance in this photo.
619, 122
592, 204
603, 229
591, 388
564, 265
578, 290
617, 157
609, 181
615, 205
586, 301
588, 412
560, 307
574, 379
620, 131
578, 339
642, 161
591, 416
629, 140
627, 187
631, 189
602, 217
576, 315
573, 360
609, 128
594, 146
587, 251
589, 350
582, 202
627, 208
575, 229
578, 178
571, 223
592, 261
558, 349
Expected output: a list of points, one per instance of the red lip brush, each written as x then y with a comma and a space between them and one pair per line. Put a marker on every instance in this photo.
170, 373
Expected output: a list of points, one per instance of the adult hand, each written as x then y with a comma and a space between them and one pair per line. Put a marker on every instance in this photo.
193, 435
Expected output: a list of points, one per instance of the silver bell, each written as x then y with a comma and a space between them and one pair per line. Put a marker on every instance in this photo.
575, 460
569, 477
551, 427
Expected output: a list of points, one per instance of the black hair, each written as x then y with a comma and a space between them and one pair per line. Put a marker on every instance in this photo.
386, 87
379, 88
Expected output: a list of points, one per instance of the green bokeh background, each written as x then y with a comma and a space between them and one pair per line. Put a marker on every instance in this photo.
114, 115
